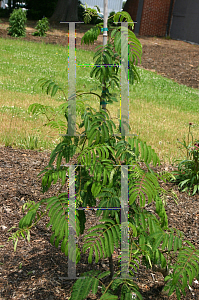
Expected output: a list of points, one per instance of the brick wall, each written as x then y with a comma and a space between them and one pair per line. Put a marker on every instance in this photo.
154, 17
132, 8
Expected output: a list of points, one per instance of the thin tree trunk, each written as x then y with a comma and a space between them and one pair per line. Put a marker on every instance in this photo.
105, 33
66, 10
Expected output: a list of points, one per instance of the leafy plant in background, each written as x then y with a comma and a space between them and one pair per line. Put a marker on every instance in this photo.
94, 17
29, 142
98, 184
17, 23
187, 176
41, 27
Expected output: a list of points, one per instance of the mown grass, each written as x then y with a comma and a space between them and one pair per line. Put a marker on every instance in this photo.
160, 109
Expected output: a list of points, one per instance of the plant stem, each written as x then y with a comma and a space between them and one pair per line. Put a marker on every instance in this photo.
91, 93
111, 266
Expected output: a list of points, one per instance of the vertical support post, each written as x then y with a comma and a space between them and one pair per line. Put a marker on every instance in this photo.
72, 225
105, 35
105, 32
124, 223
124, 80
71, 81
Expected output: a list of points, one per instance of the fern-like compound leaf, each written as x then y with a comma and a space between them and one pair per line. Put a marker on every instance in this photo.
185, 269
91, 35
108, 234
81, 288
27, 220
108, 296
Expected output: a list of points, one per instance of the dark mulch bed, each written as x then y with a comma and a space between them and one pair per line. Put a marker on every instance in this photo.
38, 270
43, 267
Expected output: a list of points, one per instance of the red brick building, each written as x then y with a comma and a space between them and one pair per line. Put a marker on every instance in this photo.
153, 17
177, 18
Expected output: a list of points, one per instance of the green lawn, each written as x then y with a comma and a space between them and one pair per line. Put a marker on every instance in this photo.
160, 109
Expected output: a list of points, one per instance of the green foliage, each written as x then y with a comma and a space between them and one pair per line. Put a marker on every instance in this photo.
103, 153
106, 74
56, 116
91, 15
41, 27
185, 269
29, 142
187, 176
17, 22
107, 58
91, 35
83, 286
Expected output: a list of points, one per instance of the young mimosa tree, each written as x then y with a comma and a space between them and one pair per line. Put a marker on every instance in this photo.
107, 163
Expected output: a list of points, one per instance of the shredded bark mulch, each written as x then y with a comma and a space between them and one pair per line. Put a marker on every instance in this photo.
37, 270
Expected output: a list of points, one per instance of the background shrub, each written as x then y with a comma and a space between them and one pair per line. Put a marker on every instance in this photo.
17, 22
42, 27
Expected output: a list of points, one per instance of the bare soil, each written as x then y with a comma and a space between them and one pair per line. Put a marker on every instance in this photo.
37, 270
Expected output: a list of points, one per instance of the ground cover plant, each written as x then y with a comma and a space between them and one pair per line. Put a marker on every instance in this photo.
187, 175
151, 238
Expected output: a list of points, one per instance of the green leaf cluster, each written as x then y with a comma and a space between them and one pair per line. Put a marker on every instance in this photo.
41, 27
91, 281
185, 270
107, 60
17, 23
